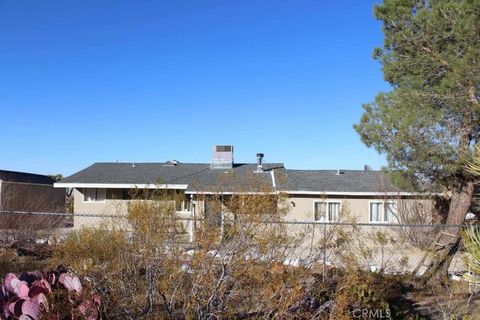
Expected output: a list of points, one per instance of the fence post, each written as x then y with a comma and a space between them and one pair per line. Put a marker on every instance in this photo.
324, 271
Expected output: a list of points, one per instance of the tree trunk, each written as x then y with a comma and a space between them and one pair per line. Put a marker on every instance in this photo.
459, 205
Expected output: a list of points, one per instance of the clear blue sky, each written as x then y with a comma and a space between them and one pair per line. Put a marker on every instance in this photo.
148, 81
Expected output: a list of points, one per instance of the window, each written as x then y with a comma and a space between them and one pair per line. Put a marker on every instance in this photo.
114, 194
326, 211
383, 211
178, 204
94, 195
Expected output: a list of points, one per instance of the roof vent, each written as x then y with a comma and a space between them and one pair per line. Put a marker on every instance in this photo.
259, 162
222, 157
367, 168
339, 172
171, 163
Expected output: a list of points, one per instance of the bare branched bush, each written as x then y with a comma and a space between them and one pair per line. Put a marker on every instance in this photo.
417, 212
450, 300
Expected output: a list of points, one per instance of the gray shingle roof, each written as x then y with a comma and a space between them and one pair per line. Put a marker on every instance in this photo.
24, 177
138, 173
242, 178
200, 178
330, 181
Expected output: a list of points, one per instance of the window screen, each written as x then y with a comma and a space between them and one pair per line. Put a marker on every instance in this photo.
327, 211
376, 211
333, 211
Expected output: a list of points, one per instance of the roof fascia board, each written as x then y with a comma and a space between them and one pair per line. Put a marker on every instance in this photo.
184, 187
314, 193
229, 192
120, 186
343, 193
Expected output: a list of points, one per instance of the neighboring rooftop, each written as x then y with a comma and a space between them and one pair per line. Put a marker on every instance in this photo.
24, 177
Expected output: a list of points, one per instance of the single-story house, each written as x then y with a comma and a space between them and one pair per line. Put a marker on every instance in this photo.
311, 195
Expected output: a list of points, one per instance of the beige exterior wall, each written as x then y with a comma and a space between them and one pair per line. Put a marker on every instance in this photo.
103, 210
106, 207
301, 207
357, 208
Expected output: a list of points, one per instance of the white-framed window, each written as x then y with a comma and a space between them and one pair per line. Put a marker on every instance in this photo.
326, 211
382, 212
94, 195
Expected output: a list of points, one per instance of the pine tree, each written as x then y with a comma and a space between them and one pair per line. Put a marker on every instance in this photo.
429, 123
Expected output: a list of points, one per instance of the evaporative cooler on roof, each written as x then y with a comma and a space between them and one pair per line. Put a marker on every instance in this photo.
222, 157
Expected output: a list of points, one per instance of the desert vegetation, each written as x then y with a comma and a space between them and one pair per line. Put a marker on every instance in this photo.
247, 265
243, 262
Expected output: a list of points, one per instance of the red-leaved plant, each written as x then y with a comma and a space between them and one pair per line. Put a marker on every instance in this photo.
27, 296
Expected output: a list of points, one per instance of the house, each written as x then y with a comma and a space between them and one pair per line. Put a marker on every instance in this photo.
28, 192
311, 195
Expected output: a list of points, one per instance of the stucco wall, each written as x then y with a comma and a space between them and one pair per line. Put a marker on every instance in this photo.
358, 208
112, 205
302, 207
106, 207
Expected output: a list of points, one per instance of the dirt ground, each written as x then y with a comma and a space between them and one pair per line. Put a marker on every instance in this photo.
443, 304
16, 260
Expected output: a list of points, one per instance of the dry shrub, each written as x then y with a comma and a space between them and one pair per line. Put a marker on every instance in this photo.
359, 290
449, 300
142, 269
95, 248
242, 264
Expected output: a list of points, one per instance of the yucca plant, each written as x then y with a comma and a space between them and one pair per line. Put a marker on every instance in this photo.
472, 235
472, 245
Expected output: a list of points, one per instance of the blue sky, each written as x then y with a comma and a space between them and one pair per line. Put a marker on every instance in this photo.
148, 81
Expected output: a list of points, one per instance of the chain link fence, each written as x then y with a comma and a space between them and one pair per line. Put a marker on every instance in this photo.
385, 247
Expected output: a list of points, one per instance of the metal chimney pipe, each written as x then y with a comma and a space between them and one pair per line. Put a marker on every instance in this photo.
259, 162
